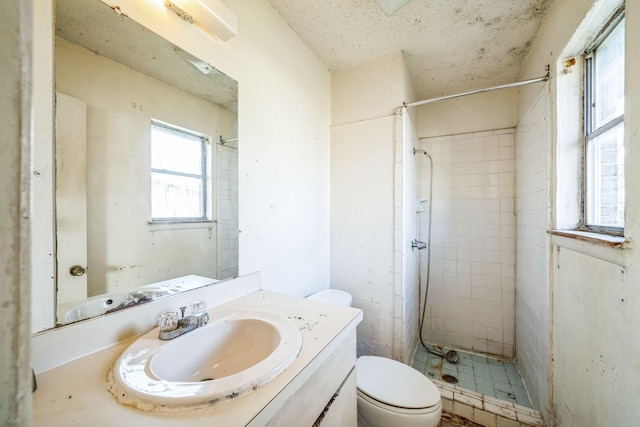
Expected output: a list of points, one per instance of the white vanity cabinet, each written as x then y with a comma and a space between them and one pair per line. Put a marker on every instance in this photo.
342, 408
328, 397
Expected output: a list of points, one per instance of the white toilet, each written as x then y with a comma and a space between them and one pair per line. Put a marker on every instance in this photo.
390, 393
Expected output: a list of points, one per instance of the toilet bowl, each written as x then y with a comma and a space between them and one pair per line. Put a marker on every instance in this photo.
390, 393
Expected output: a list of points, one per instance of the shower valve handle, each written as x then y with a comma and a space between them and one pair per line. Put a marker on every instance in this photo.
417, 244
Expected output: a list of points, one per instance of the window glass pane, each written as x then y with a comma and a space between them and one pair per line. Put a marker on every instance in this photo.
175, 151
609, 77
605, 179
174, 196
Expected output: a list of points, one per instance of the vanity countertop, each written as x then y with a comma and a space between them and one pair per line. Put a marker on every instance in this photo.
76, 393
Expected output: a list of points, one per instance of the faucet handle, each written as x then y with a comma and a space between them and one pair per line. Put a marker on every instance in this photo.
168, 321
182, 310
198, 308
199, 311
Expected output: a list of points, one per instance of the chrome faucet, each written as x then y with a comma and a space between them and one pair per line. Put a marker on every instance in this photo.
171, 327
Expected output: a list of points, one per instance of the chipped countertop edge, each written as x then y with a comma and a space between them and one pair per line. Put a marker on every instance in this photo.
77, 391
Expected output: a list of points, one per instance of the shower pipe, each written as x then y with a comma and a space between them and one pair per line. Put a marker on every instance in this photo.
226, 141
452, 355
544, 78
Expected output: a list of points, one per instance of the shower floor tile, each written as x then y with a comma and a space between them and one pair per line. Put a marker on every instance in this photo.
486, 375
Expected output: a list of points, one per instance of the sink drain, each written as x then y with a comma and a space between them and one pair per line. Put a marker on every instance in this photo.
449, 379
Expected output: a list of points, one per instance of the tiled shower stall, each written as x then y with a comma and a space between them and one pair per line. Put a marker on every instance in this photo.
490, 213
227, 210
471, 302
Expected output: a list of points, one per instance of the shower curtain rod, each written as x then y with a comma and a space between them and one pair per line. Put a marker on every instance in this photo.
473, 92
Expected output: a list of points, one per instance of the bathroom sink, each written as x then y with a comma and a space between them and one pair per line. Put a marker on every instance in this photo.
236, 352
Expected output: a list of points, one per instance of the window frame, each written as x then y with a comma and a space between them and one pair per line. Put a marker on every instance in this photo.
204, 177
590, 132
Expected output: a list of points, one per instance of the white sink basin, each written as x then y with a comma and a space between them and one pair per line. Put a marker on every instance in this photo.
236, 352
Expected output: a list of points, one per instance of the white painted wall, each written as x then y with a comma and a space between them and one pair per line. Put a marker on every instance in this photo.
284, 118
363, 134
594, 377
595, 371
473, 113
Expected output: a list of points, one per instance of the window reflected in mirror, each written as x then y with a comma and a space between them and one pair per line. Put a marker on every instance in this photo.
180, 174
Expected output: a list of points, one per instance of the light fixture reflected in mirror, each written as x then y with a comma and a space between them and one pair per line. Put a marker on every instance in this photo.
212, 15
391, 6
201, 65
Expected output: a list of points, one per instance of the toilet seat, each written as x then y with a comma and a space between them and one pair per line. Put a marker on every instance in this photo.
395, 385
396, 409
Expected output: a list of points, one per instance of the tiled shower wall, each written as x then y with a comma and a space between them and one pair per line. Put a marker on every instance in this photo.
533, 249
471, 300
227, 206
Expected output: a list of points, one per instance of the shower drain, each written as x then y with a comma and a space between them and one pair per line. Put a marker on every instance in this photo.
449, 379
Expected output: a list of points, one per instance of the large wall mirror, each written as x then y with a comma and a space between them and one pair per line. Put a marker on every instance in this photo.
146, 193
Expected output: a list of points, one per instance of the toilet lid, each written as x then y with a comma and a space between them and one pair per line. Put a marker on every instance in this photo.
395, 383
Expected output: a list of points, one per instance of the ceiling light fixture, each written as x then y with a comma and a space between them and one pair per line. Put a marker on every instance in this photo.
211, 15
391, 6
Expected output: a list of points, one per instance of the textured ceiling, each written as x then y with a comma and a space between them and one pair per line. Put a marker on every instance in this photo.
450, 46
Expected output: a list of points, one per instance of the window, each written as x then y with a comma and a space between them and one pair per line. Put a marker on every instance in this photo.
179, 182
604, 186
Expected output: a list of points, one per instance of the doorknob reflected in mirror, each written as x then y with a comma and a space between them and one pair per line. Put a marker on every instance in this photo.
76, 270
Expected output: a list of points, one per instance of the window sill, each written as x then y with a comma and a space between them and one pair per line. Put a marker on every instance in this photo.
186, 225
602, 246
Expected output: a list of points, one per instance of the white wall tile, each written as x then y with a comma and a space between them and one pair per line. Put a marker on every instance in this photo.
472, 240
532, 204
